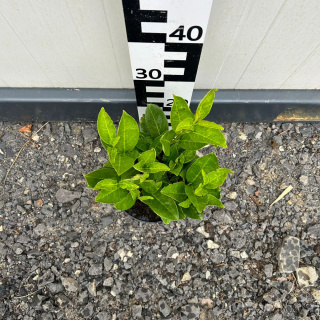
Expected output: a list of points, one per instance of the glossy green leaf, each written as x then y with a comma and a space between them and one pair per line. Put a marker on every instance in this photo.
200, 190
106, 128
166, 221
109, 184
120, 162
147, 157
205, 105
156, 144
175, 191
189, 155
145, 198
111, 195
209, 124
128, 132
126, 203
143, 124
191, 212
199, 202
215, 178
128, 185
151, 168
94, 177
115, 141
207, 163
166, 140
185, 204
150, 186
213, 201
180, 111
129, 174
211, 136
186, 124
181, 214
163, 206
176, 168
192, 141
134, 154
214, 192
156, 120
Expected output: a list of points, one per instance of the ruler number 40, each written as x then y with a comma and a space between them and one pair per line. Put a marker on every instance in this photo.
192, 36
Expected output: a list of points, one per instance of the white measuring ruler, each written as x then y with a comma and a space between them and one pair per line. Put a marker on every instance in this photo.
165, 40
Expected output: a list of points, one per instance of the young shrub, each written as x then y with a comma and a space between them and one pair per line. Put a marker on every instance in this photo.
159, 166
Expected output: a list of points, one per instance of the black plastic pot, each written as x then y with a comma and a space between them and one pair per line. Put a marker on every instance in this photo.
143, 213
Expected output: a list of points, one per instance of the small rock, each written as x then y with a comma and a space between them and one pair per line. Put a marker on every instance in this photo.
70, 284
212, 245
106, 221
244, 255
62, 300
108, 282
203, 232
230, 205
238, 238
305, 249
268, 270
307, 276
65, 196
316, 294
143, 295
88, 311
19, 251
40, 229
107, 264
289, 255
272, 296
304, 180
164, 308
92, 288
89, 135
314, 231
136, 310
95, 270
191, 311
232, 195
97, 150
55, 288
186, 277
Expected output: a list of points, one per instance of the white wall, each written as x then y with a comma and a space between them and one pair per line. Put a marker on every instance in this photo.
250, 44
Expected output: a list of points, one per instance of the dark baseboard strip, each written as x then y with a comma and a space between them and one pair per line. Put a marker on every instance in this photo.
42, 104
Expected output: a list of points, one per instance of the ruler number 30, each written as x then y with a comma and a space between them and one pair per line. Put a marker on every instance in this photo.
153, 73
192, 36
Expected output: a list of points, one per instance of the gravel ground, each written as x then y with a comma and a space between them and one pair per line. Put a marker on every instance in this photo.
62, 256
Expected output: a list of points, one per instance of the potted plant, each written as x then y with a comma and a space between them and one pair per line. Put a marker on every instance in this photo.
153, 172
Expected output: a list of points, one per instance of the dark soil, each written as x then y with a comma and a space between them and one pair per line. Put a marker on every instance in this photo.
142, 212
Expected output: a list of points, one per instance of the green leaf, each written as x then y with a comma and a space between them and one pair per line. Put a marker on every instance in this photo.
108, 184
176, 168
210, 136
213, 201
186, 124
199, 202
191, 212
143, 124
129, 174
207, 163
106, 128
94, 177
126, 203
209, 124
111, 195
175, 191
156, 120
128, 132
128, 185
120, 162
163, 206
145, 198
115, 141
205, 105
108, 165
215, 178
214, 192
150, 186
156, 144
189, 155
185, 204
147, 157
179, 112
151, 168
134, 154
181, 214
141, 145
166, 221
166, 140
192, 141
200, 190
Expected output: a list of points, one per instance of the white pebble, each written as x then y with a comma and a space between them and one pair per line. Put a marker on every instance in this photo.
186, 277
212, 245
